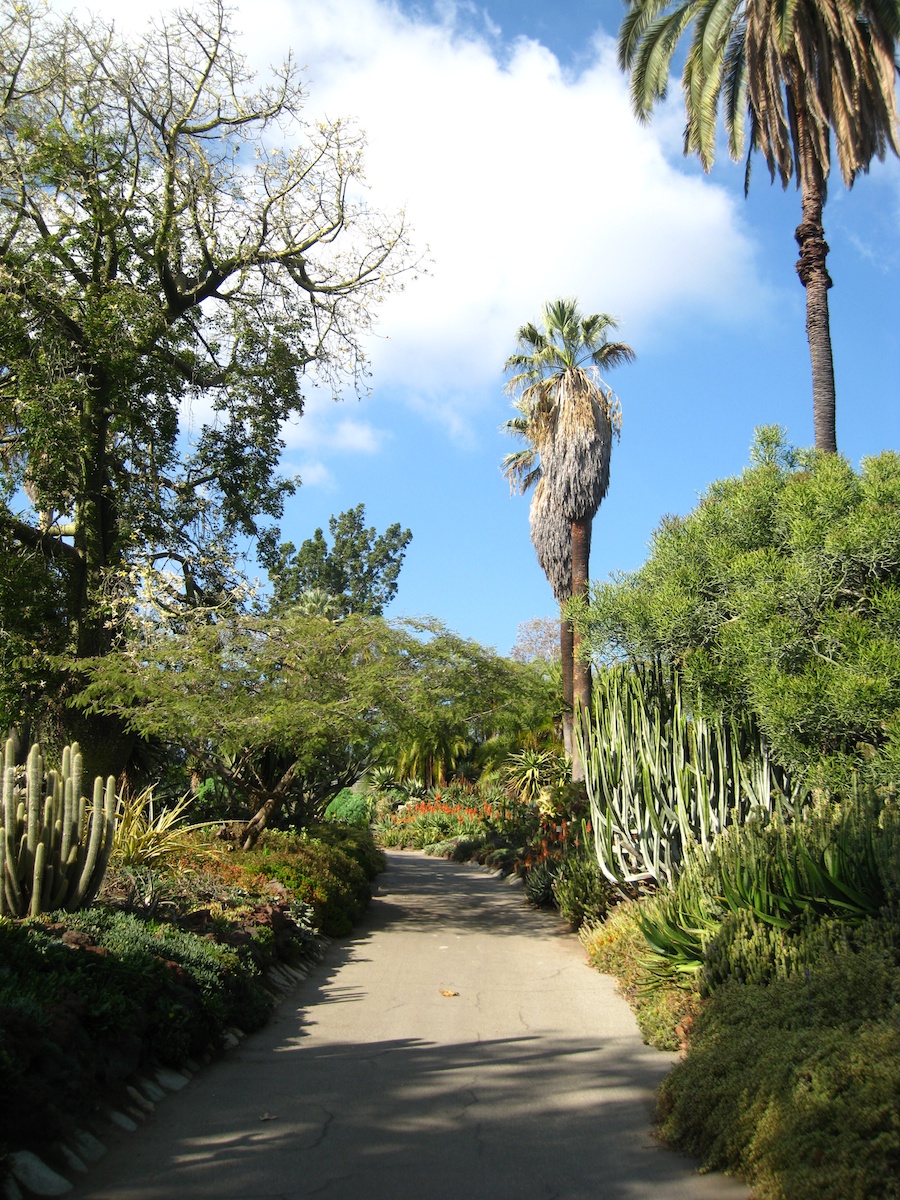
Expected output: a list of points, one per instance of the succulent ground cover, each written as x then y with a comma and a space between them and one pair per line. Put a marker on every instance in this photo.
169, 958
774, 964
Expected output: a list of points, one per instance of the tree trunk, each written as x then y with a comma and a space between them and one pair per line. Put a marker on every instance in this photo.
250, 833
581, 670
811, 268
566, 636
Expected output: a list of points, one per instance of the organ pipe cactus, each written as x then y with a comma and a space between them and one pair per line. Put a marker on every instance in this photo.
660, 778
54, 843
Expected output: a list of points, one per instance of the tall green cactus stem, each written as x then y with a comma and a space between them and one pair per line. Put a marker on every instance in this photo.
54, 845
660, 778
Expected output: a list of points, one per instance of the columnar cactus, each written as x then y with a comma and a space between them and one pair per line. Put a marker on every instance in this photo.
54, 844
660, 777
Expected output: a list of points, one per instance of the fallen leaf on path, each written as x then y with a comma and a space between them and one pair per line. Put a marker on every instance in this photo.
268, 1117
447, 992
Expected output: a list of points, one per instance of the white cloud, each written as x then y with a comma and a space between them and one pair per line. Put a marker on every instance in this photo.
312, 474
524, 181
326, 428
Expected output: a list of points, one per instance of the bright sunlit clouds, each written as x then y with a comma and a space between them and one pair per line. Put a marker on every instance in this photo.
520, 181
523, 179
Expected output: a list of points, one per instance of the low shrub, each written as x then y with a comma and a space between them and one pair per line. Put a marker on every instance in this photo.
350, 808
356, 843
796, 1084
617, 947
458, 849
539, 879
88, 998
771, 894
579, 890
326, 867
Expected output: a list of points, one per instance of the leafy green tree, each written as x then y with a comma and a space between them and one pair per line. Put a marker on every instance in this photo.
160, 255
464, 703
802, 72
569, 418
286, 710
263, 704
359, 570
779, 594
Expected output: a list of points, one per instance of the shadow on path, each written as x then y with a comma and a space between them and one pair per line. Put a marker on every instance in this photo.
527, 1080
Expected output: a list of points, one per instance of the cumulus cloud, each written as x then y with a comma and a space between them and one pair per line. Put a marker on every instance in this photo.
326, 428
524, 181
312, 474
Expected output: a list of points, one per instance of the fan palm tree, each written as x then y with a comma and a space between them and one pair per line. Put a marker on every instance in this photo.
568, 417
551, 536
316, 602
803, 72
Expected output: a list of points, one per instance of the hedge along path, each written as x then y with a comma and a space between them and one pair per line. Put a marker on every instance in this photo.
456, 1045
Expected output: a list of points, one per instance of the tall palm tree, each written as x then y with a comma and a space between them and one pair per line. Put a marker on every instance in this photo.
551, 536
551, 533
803, 72
568, 417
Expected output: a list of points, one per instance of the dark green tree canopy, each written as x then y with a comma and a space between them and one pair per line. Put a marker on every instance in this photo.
359, 570
162, 257
779, 593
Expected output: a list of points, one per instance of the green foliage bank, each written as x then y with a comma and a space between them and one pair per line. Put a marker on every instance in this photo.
742, 770
779, 596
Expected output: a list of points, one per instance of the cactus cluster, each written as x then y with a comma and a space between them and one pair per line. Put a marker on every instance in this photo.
54, 843
660, 778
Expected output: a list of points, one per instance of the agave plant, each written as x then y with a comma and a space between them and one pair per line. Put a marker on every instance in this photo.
530, 772
382, 778
768, 891
144, 835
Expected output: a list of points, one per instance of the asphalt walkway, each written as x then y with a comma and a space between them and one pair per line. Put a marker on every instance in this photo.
455, 1046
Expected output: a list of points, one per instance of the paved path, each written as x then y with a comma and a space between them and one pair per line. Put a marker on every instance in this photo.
372, 1084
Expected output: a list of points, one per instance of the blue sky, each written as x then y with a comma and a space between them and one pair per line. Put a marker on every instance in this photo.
503, 130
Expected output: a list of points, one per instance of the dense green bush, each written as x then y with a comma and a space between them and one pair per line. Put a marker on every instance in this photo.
178, 990
617, 947
772, 895
579, 890
796, 1085
350, 808
357, 844
779, 595
325, 867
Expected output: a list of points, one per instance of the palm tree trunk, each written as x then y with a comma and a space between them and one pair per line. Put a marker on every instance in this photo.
566, 644
814, 276
581, 671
